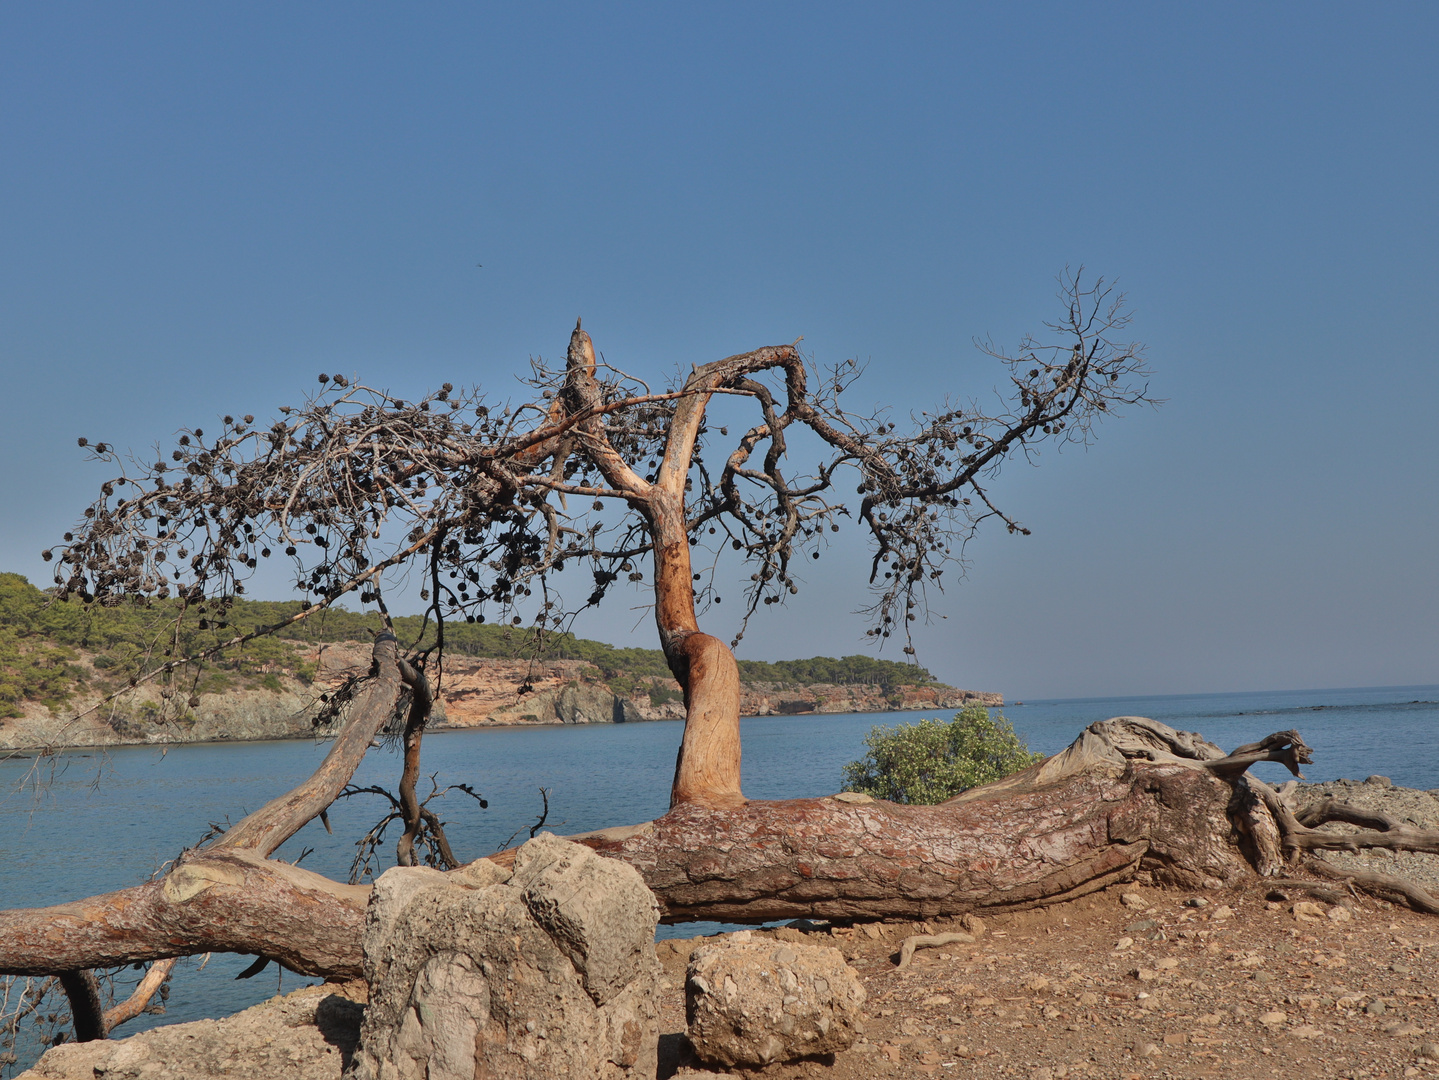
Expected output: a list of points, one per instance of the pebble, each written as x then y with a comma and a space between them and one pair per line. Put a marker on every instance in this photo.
1307, 911
1134, 900
1146, 1049
1306, 1031
1222, 912
1429, 1050
1196, 902
1273, 1019
1338, 913
1375, 1008
1402, 1031
1123, 943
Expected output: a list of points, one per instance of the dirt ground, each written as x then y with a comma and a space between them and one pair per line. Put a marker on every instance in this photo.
1132, 982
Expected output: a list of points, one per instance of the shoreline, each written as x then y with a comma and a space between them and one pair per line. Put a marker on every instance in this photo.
32, 752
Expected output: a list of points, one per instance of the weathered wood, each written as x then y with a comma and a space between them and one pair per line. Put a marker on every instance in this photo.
838, 859
227, 901
279, 819
139, 999
1128, 798
227, 897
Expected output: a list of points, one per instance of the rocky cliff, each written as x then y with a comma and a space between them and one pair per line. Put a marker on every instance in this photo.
472, 692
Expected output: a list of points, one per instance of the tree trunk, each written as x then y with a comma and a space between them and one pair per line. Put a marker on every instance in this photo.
1129, 799
835, 858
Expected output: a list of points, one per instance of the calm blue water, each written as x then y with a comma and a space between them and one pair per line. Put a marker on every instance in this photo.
104, 821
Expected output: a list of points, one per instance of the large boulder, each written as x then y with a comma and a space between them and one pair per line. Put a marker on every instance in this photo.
753, 1003
543, 974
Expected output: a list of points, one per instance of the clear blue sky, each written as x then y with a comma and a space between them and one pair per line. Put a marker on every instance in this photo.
203, 206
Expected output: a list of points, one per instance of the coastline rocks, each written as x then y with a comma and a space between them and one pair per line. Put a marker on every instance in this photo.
573, 703
752, 1003
548, 972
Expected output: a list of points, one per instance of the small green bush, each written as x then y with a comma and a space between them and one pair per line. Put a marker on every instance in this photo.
932, 761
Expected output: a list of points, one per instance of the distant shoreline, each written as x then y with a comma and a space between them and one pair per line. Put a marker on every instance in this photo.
32, 752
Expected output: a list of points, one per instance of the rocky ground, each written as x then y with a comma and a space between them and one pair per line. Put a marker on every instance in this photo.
1129, 983
1141, 987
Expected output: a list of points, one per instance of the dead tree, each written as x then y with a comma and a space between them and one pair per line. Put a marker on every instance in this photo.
599, 472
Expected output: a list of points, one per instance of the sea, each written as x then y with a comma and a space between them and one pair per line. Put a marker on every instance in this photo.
90, 821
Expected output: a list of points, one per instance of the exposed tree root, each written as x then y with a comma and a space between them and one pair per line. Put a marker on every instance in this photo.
1393, 889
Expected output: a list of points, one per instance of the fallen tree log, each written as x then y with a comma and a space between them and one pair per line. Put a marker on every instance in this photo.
1130, 799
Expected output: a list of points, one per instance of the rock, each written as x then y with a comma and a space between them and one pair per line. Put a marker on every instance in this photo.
1339, 913
857, 797
1134, 900
306, 1035
605, 925
1306, 1031
1145, 1049
572, 703
1307, 911
549, 972
1402, 1031
1222, 912
753, 1003
973, 923
1379, 781
1196, 902
1273, 1019
1088, 999
1167, 964
1123, 943
1429, 1050
1375, 1008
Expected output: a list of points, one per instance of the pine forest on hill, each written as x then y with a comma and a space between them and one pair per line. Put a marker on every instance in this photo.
41, 644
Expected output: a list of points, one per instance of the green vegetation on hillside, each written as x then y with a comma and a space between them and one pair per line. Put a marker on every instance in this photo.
39, 642
931, 761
